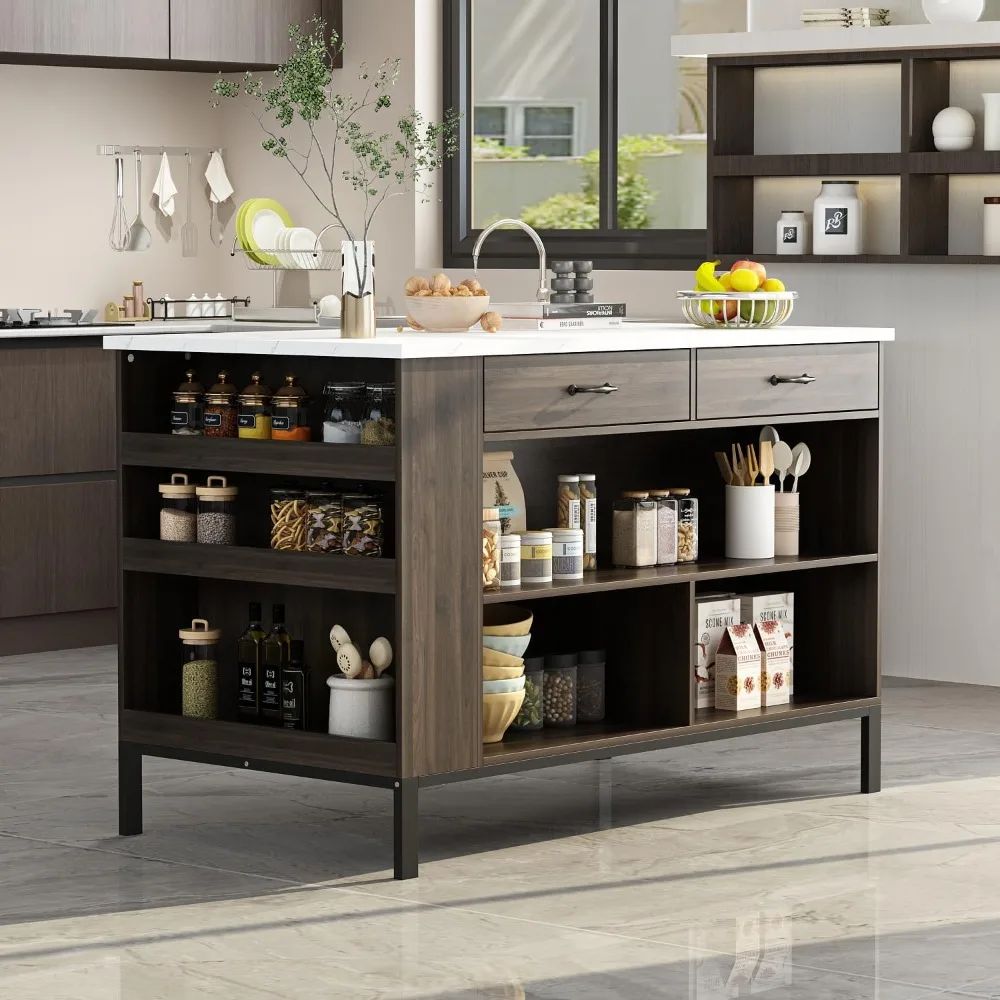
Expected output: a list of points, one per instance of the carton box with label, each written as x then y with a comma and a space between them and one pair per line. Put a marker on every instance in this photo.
774, 663
715, 613
771, 606
737, 669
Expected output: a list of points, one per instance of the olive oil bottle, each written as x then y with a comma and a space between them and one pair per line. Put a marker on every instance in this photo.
295, 689
249, 657
277, 650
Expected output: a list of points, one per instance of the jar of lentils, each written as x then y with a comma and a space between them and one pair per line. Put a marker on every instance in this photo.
687, 526
217, 512
379, 424
364, 527
200, 670
220, 409
325, 523
559, 691
666, 527
178, 512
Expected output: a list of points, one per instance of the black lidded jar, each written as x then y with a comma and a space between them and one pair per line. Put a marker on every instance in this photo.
187, 415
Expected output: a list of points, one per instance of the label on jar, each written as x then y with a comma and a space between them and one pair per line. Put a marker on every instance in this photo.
509, 554
247, 699
536, 563
247, 420
567, 560
573, 514
281, 423
835, 221
789, 234
179, 418
213, 419
270, 690
589, 526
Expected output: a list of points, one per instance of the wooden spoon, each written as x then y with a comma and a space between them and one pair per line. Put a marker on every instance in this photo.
782, 462
767, 461
752, 467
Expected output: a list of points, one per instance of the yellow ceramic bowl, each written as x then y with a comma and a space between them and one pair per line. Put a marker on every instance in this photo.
499, 711
494, 658
506, 619
492, 673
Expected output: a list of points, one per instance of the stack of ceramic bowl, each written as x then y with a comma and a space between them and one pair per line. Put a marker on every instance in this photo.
506, 634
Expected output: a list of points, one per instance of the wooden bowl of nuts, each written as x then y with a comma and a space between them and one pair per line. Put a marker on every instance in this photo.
438, 305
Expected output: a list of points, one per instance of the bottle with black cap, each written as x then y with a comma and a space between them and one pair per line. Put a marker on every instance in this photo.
249, 654
295, 688
277, 648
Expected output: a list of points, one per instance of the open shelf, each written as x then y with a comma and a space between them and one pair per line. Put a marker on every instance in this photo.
969, 161
284, 458
234, 562
261, 747
807, 164
631, 579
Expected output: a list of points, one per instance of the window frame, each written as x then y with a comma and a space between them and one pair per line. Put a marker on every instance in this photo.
607, 247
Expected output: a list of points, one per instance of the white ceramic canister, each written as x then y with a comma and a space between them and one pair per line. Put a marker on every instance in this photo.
991, 121
954, 129
363, 709
991, 227
567, 553
793, 232
749, 522
838, 219
510, 561
536, 557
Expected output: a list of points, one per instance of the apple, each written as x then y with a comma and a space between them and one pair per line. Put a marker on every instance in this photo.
727, 310
751, 265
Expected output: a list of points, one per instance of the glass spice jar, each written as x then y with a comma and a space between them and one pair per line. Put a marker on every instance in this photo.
289, 519
200, 670
254, 420
363, 525
633, 531
379, 425
187, 413
532, 714
568, 502
289, 413
325, 522
588, 519
345, 405
220, 408
559, 692
491, 548
666, 527
217, 512
687, 526
178, 517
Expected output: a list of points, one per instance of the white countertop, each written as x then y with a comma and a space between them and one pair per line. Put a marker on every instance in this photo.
318, 342
792, 40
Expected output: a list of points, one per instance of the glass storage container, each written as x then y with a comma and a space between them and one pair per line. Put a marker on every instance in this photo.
217, 512
254, 419
289, 519
178, 510
536, 557
379, 424
345, 405
559, 692
633, 531
187, 413
687, 526
666, 527
364, 526
220, 408
588, 519
590, 688
325, 525
567, 553
200, 670
290, 413
532, 714
510, 560
491, 548
568, 502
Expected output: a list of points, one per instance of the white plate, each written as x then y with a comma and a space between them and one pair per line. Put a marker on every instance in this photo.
304, 241
281, 245
266, 225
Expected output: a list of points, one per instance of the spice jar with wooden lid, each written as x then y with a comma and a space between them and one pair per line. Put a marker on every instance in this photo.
254, 420
220, 408
666, 527
200, 670
217, 512
289, 413
178, 510
187, 415
633, 530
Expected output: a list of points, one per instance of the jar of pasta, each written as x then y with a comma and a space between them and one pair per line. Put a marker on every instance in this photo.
289, 517
254, 419
289, 413
325, 524
364, 527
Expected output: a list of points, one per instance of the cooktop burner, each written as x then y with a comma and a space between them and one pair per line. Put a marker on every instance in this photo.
54, 317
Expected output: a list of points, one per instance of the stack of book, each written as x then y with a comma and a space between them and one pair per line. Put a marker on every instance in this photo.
845, 17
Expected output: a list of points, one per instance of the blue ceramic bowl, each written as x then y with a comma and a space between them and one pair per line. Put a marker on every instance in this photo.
513, 645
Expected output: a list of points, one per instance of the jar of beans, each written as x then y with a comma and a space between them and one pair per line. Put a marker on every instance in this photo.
217, 512
687, 526
187, 412
559, 692
325, 523
590, 686
254, 420
178, 510
379, 424
289, 413
200, 670
289, 519
588, 519
220, 409
532, 714
666, 527
364, 527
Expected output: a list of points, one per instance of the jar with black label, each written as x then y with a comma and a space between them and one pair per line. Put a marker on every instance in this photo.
379, 426
187, 414
687, 526
363, 525
200, 670
254, 419
345, 407
289, 413
220, 408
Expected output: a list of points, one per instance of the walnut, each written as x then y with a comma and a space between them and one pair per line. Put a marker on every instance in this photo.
414, 325
440, 283
441, 295
423, 293
491, 322
472, 284
462, 292
415, 284
480, 292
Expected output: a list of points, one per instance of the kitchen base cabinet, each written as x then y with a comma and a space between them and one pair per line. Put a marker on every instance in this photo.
426, 595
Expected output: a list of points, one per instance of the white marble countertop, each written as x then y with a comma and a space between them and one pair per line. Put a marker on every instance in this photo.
318, 342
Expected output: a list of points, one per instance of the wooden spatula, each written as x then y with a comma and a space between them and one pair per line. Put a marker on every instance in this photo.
724, 467
753, 469
741, 472
767, 461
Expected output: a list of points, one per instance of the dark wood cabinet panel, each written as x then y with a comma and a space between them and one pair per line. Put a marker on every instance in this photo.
250, 32
58, 549
101, 29
57, 411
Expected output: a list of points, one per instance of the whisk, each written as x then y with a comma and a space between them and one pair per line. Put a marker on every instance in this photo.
118, 237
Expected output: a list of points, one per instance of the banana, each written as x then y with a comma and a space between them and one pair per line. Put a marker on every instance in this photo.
705, 278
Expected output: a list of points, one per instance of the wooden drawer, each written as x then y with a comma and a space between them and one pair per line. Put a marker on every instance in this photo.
739, 381
540, 393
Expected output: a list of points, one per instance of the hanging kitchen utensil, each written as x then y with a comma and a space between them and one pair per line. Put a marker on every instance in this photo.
767, 460
118, 236
752, 467
724, 467
801, 460
782, 462
139, 237
189, 231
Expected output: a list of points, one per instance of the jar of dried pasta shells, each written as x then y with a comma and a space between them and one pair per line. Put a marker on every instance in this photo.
364, 526
289, 519
325, 527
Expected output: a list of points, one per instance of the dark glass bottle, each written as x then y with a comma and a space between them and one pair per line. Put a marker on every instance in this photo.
249, 655
277, 647
295, 688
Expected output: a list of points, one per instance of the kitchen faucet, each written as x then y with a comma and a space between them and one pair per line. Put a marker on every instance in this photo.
542, 295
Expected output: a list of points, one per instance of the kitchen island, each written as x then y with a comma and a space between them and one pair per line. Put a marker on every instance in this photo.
673, 395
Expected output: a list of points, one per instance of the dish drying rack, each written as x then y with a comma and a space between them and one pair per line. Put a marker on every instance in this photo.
711, 310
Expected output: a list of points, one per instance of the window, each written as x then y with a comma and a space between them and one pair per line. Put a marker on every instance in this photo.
577, 120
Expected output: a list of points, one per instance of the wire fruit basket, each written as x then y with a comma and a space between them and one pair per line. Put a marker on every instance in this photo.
737, 310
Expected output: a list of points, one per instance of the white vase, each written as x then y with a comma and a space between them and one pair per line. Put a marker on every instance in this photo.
940, 11
991, 121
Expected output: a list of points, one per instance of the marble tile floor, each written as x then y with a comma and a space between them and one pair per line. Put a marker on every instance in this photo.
745, 868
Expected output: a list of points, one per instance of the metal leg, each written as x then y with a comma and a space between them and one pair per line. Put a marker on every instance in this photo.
129, 790
871, 751
406, 823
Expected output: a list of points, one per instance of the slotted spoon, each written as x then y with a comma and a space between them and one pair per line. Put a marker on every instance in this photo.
189, 231
139, 237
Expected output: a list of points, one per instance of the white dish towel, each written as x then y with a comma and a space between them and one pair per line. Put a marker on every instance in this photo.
164, 188
218, 180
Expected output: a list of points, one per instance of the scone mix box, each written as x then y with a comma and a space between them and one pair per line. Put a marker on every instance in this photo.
716, 612
769, 606
775, 663
737, 669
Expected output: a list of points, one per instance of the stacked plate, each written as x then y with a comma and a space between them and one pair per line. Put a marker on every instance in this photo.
269, 237
846, 17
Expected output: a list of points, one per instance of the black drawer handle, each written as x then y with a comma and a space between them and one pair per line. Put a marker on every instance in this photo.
603, 390
796, 379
